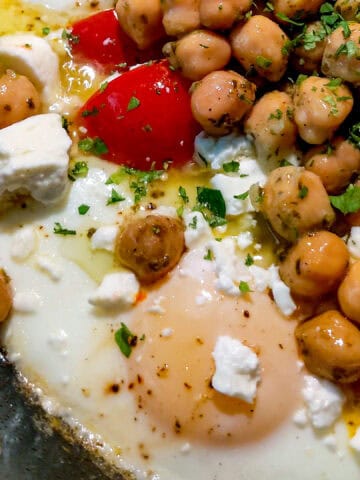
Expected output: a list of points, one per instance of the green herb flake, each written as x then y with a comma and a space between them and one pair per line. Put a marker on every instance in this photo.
83, 209
125, 340
249, 260
45, 31
277, 115
349, 201
74, 39
103, 86
303, 191
242, 196
231, 166
193, 223
183, 195
263, 62
244, 287
80, 169
209, 255
354, 135
90, 113
334, 83
301, 78
60, 230
115, 197
133, 103
286, 19
138, 180
348, 48
95, 146
211, 204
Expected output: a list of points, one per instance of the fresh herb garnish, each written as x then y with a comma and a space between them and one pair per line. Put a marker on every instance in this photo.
80, 169
133, 103
93, 145
263, 62
244, 287
125, 340
45, 31
114, 197
183, 194
88, 113
83, 209
103, 86
354, 135
231, 166
242, 196
209, 255
347, 202
140, 181
60, 230
286, 19
249, 260
193, 223
211, 204
277, 115
303, 191
74, 39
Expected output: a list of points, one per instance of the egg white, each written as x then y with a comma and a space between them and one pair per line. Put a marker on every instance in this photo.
65, 350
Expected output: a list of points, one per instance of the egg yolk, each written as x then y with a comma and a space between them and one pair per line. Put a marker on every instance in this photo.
170, 370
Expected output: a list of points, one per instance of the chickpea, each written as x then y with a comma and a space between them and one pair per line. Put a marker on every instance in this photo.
220, 100
330, 346
297, 8
151, 246
316, 264
295, 202
180, 16
141, 20
320, 108
270, 123
309, 53
198, 53
349, 9
5, 296
258, 44
222, 14
342, 55
349, 293
19, 99
334, 164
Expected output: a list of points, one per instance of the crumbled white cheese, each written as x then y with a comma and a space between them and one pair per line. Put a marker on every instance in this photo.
203, 298
355, 441
197, 229
104, 238
323, 401
330, 442
156, 307
244, 240
185, 449
50, 266
58, 341
26, 302
231, 186
32, 56
117, 290
23, 244
34, 157
300, 418
165, 210
353, 242
281, 292
261, 278
167, 332
237, 369
219, 150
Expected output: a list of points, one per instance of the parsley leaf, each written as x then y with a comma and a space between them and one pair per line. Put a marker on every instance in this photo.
80, 169
83, 209
60, 230
133, 103
249, 260
231, 166
193, 223
140, 180
349, 201
303, 191
93, 145
88, 113
242, 196
183, 194
114, 197
209, 255
263, 62
211, 204
45, 31
244, 287
354, 135
125, 340
277, 115
286, 19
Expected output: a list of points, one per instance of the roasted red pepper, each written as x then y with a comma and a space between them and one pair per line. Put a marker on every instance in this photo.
143, 117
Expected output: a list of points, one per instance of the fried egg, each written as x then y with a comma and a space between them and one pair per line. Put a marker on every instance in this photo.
154, 415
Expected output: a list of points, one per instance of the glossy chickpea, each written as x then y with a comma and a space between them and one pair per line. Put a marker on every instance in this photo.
180, 16
309, 53
289, 199
335, 164
349, 293
342, 55
349, 9
258, 44
330, 346
270, 123
220, 100
320, 108
151, 246
296, 8
198, 53
5, 296
316, 264
141, 20
222, 14
19, 99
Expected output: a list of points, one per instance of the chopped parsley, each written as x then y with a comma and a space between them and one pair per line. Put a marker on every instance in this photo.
231, 166
348, 48
277, 115
209, 255
211, 204
89, 113
244, 287
74, 39
183, 195
83, 209
303, 191
249, 260
103, 86
125, 340
347, 202
334, 83
286, 19
242, 196
263, 62
354, 135
93, 145
60, 230
193, 223
138, 180
114, 197
133, 103
45, 31
80, 169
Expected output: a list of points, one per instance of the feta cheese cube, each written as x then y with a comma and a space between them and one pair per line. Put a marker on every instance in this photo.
34, 157
237, 369
117, 290
197, 229
281, 292
104, 238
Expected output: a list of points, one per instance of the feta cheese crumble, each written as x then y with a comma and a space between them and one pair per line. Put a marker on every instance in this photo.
353, 242
117, 290
197, 229
237, 369
323, 401
104, 238
24, 243
34, 157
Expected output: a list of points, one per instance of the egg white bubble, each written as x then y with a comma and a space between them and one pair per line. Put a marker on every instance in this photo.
67, 350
